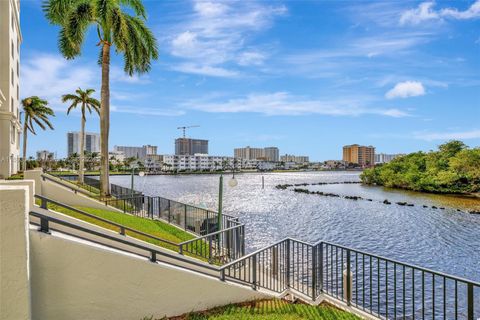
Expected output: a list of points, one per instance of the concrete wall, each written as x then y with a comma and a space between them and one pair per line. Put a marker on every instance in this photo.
62, 194
14, 253
72, 280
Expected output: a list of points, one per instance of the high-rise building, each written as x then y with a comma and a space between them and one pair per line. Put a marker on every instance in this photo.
10, 129
91, 143
136, 152
187, 146
361, 155
44, 155
249, 153
385, 158
271, 154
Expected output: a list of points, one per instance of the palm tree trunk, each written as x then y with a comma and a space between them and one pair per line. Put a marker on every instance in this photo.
24, 160
82, 147
105, 120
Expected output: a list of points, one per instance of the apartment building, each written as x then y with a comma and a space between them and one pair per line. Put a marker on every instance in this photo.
294, 159
363, 156
10, 128
91, 143
136, 152
265, 154
196, 162
385, 158
187, 146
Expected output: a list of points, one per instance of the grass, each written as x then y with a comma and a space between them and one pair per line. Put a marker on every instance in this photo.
155, 228
269, 310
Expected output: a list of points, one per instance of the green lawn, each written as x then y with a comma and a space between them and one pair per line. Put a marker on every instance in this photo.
269, 310
152, 227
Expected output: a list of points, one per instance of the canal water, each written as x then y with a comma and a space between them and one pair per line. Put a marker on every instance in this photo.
445, 240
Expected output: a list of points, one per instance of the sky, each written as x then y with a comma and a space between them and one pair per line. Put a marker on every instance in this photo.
305, 76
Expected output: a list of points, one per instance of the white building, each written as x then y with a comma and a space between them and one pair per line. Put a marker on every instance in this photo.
91, 143
196, 162
385, 158
136, 152
10, 129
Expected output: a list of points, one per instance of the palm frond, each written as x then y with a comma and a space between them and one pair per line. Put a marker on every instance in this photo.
137, 7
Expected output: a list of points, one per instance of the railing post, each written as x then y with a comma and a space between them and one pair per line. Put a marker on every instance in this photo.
124, 209
122, 230
470, 304
348, 279
44, 203
321, 266
169, 213
210, 249
222, 275
44, 225
254, 272
185, 217
288, 262
153, 256
180, 248
314, 273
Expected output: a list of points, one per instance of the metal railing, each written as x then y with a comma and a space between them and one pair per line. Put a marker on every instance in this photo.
382, 287
216, 248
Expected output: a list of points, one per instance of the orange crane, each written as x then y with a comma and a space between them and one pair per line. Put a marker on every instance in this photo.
187, 127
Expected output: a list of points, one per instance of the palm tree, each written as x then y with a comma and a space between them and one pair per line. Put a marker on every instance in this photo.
115, 27
86, 102
36, 111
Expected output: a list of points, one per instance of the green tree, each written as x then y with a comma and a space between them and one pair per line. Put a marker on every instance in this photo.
36, 111
86, 102
115, 28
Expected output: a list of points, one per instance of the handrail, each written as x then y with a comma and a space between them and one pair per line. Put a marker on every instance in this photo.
71, 187
419, 268
44, 227
210, 234
121, 227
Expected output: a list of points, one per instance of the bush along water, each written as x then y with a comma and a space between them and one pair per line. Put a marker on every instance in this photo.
453, 168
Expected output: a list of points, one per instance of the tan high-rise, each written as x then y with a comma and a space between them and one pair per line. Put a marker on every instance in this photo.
361, 155
10, 39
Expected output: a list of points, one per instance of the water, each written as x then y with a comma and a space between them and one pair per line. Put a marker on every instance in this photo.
444, 240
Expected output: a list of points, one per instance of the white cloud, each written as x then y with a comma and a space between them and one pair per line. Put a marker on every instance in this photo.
147, 111
283, 103
426, 12
460, 135
205, 70
51, 76
218, 33
406, 89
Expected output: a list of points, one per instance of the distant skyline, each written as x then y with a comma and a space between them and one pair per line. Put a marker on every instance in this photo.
305, 76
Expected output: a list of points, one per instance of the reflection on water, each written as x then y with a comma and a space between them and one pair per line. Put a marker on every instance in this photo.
445, 240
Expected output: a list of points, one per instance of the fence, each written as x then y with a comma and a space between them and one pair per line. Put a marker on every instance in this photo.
382, 287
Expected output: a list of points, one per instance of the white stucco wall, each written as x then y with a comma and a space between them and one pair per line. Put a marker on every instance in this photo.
14, 253
62, 194
72, 280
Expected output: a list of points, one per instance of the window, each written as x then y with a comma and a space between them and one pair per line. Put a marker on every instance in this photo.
11, 104
12, 134
18, 69
12, 77
13, 50
18, 93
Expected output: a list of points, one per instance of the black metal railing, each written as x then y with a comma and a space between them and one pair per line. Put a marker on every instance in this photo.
382, 287
216, 248
200, 221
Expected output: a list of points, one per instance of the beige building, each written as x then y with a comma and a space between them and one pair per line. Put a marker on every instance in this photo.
361, 155
10, 39
248, 153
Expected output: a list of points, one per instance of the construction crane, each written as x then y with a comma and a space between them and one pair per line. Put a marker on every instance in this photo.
187, 127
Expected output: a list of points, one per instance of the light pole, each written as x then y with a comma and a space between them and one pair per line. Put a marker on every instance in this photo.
232, 183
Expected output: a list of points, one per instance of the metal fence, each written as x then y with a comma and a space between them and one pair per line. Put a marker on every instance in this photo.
382, 287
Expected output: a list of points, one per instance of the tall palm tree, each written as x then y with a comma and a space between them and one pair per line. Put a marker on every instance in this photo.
115, 27
36, 111
83, 100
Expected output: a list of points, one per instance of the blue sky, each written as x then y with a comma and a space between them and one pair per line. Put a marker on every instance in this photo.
306, 76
